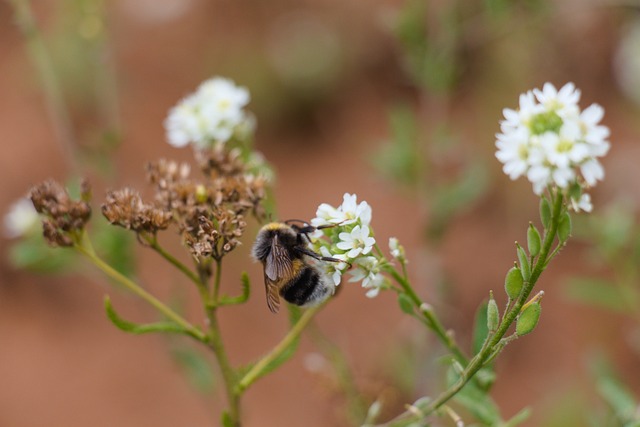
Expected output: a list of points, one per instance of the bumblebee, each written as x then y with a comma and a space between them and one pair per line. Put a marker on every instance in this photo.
290, 267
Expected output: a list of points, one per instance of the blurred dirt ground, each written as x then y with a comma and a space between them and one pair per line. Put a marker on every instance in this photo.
63, 364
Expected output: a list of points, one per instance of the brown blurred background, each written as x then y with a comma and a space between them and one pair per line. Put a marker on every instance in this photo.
323, 76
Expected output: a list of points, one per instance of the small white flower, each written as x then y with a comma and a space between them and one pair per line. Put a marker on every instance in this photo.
354, 211
396, 249
20, 218
515, 119
334, 269
367, 271
513, 152
564, 148
357, 242
584, 204
327, 214
592, 171
564, 102
349, 212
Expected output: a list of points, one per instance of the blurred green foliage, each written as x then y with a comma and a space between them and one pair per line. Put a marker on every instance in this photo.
615, 238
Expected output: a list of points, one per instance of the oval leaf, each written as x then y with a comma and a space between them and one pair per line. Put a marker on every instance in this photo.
135, 328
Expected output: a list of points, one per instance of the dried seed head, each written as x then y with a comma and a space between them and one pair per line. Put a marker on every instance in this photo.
220, 161
209, 213
65, 217
126, 209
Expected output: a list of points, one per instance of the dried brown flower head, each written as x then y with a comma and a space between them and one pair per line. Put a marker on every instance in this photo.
126, 209
220, 161
65, 218
209, 213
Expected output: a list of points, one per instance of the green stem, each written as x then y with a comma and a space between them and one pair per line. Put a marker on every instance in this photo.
256, 371
215, 289
153, 244
493, 342
139, 291
216, 344
56, 105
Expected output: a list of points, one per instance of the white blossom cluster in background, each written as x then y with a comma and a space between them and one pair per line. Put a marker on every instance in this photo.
21, 218
552, 142
351, 240
213, 113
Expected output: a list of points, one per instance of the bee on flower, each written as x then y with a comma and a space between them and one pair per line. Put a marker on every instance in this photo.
350, 240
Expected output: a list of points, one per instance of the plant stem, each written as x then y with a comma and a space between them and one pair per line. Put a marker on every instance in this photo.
256, 371
216, 344
492, 343
139, 291
153, 244
56, 105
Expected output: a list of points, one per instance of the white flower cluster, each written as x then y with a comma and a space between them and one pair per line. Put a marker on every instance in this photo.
350, 241
21, 218
552, 142
213, 113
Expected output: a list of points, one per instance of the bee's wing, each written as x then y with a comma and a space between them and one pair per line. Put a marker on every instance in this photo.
278, 263
273, 297
277, 266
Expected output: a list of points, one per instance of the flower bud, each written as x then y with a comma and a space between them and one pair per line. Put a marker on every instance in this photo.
201, 193
513, 283
528, 318
493, 316
533, 240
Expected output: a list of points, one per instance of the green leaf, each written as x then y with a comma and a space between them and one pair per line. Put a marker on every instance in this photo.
243, 297
545, 212
406, 304
135, 328
597, 292
564, 227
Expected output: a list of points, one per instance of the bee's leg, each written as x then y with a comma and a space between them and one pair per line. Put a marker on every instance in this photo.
308, 228
319, 257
